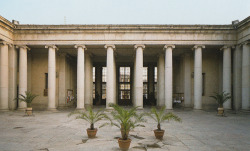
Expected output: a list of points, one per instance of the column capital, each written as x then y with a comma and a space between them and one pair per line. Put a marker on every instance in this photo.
51, 46
83, 47
246, 42
171, 46
112, 46
22, 46
227, 46
2, 42
198, 46
139, 45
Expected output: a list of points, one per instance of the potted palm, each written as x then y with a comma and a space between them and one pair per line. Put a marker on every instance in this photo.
28, 98
221, 98
91, 117
125, 120
160, 116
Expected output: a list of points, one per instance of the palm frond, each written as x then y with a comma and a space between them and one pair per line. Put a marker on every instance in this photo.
160, 116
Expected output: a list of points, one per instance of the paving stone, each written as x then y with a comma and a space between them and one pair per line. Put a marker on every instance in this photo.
55, 131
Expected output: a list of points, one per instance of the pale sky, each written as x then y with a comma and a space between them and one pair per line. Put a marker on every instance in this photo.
125, 11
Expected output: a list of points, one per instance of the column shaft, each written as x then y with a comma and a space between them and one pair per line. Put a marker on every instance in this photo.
88, 81
134, 79
168, 76
80, 76
4, 87
23, 83
138, 76
237, 76
187, 80
227, 74
51, 78
161, 81
246, 77
62, 80
110, 89
198, 77
12, 78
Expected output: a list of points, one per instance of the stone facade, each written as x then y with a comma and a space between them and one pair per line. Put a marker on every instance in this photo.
193, 61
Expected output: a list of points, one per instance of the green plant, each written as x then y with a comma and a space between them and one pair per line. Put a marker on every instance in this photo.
160, 116
126, 119
90, 116
221, 98
28, 98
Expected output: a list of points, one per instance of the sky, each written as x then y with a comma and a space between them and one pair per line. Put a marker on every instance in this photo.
125, 11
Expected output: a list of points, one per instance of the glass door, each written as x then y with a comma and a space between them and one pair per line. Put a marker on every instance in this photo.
124, 86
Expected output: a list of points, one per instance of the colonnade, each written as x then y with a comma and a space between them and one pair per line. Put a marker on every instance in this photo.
165, 76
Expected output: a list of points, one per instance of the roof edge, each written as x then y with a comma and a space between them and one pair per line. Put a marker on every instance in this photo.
7, 22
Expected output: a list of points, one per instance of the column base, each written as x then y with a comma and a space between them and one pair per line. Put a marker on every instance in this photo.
21, 109
169, 109
197, 108
4, 110
109, 109
140, 108
80, 109
52, 109
88, 105
245, 110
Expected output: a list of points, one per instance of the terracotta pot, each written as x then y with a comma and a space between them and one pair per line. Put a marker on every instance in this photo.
124, 144
29, 111
91, 133
220, 111
159, 133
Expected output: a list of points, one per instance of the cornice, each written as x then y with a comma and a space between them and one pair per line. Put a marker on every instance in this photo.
6, 22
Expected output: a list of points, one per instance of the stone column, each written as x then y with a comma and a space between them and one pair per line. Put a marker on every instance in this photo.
80, 76
23, 72
246, 76
51, 76
227, 74
12, 78
187, 80
88, 81
161, 81
62, 80
134, 79
168, 76
4, 82
110, 89
198, 76
237, 76
139, 76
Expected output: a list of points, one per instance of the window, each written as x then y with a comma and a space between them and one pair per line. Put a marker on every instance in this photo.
145, 74
145, 82
155, 81
104, 80
45, 91
203, 84
93, 82
46, 80
124, 83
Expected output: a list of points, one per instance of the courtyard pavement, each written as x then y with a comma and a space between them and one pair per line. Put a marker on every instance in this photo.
55, 131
